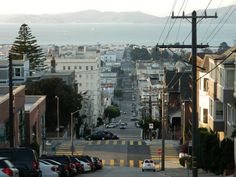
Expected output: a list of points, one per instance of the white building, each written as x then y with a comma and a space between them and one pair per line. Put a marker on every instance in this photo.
85, 61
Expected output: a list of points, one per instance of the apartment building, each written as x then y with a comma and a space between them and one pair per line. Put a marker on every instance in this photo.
220, 90
29, 118
85, 62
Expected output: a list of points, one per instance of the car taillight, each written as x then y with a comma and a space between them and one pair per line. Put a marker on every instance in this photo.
77, 164
66, 168
35, 165
7, 171
72, 165
54, 168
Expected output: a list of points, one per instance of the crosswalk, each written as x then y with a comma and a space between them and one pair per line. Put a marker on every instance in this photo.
170, 152
65, 148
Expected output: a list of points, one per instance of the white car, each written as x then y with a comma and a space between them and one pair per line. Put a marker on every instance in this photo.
7, 169
48, 170
111, 125
148, 164
87, 166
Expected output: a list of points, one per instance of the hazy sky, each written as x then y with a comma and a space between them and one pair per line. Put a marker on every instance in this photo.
154, 7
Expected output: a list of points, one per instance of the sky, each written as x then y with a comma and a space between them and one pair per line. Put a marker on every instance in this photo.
152, 7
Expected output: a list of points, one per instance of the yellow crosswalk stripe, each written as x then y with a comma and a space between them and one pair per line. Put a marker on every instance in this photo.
139, 143
123, 142
115, 142
99, 142
131, 142
107, 142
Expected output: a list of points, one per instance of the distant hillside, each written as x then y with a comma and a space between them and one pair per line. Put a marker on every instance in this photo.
94, 16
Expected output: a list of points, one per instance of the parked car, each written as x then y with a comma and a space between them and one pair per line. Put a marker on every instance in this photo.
148, 164
78, 165
7, 169
24, 159
49, 170
86, 164
88, 161
101, 135
122, 126
111, 125
63, 159
97, 162
63, 168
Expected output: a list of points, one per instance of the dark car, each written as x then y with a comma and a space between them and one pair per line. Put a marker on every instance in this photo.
24, 160
63, 159
63, 168
97, 136
101, 135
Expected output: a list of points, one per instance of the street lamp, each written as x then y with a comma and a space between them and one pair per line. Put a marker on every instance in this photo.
72, 131
58, 125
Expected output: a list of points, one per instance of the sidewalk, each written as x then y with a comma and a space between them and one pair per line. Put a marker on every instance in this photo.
172, 166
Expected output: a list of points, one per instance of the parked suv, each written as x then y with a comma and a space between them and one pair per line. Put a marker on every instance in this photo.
24, 160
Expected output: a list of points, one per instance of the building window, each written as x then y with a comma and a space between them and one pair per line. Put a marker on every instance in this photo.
91, 67
231, 112
80, 84
87, 67
211, 104
229, 79
17, 72
64, 68
205, 84
80, 76
68, 67
80, 67
75, 67
205, 116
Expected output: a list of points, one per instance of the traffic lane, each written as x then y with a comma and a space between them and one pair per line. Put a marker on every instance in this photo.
137, 153
107, 152
121, 172
126, 133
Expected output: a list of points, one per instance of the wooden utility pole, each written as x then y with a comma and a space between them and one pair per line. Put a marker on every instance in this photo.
194, 47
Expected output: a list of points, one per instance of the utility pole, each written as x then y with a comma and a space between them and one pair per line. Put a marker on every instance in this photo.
194, 47
11, 113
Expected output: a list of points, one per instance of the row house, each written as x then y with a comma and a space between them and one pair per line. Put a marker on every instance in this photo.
217, 108
28, 120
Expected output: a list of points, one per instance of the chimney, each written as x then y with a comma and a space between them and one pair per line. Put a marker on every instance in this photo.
53, 65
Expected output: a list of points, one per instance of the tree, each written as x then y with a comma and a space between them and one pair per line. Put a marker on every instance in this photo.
112, 112
26, 44
70, 100
223, 47
140, 54
155, 53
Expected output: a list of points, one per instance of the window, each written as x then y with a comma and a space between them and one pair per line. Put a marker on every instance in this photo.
91, 67
229, 79
80, 84
80, 76
17, 72
68, 67
219, 108
87, 67
205, 116
205, 84
80, 67
231, 112
75, 67
211, 104
64, 68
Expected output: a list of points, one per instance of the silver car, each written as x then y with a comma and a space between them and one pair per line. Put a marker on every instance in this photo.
7, 169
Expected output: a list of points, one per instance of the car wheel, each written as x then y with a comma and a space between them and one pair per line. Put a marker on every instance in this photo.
142, 170
103, 138
89, 138
154, 170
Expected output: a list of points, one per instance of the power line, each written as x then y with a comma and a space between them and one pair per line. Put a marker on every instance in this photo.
217, 28
222, 24
171, 27
167, 21
216, 66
